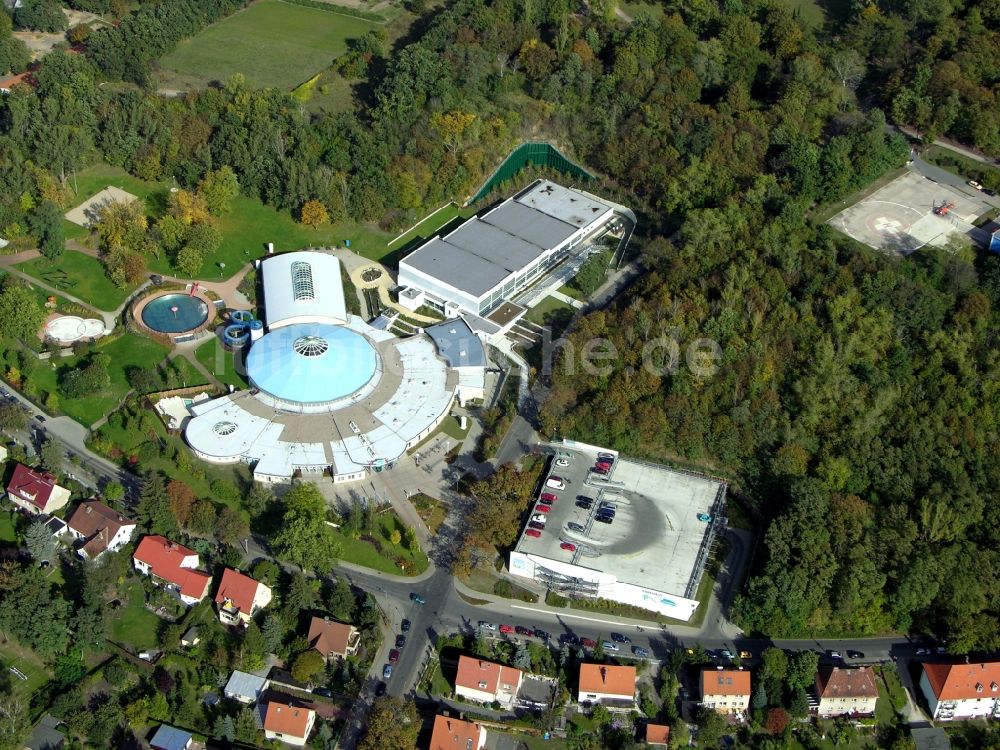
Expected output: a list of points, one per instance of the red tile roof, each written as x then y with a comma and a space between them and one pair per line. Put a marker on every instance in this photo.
834, 682
454, 734
238, 589
725, 682
472, 672
98, 524
285, 719
164, 559
608, 679
964, 681
657, 734
32, 486
329, 636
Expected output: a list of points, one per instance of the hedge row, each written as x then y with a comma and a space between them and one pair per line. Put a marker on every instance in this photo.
364, 14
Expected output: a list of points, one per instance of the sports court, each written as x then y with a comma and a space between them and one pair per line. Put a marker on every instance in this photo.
908, 213
88, 213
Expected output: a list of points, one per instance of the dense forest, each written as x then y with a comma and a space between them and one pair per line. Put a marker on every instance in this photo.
855, 405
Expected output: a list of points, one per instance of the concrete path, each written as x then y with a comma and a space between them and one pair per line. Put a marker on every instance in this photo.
572, 301
188, 354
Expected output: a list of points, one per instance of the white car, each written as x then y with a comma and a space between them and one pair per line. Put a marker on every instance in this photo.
556, 483
487, 625
539, 518
974, 184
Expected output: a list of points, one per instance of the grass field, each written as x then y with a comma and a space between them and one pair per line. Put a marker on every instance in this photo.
218, 361
360, 552
550, 311
14, 655
79, 275
136, 626
125, 351
271, 43
189, 375
8, 531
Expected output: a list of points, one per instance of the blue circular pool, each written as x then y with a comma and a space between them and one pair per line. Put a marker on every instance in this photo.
174, 313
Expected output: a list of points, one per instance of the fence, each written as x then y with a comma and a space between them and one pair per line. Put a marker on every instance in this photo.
531, 152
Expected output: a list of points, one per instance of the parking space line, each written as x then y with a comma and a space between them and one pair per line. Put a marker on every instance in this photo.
575, 617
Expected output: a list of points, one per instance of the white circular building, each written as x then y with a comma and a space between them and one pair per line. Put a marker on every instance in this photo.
331, 394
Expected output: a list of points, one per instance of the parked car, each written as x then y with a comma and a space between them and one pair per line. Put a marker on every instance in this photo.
542, 508
540, 517
533, 533
834, 654
506, 628
610, 646
562, 462
400, 641
536, 525
569, 638
556, 483
640, 652
325, 692
922, 652
568, 546
974, 184
575, 527
521, 630
620, 638
548, 496
386, 671
607, 504
39, 418
487, 625
393, 656
588, 643
404, 625
746, 655
415, 597
545, 501
855, 654
380, 690
726, 653
704, 517
604, 519
541, 634
600, 470
583, 501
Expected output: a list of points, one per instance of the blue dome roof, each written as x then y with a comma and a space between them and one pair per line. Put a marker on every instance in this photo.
311, 363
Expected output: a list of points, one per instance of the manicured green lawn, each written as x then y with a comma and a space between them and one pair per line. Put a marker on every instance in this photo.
126, 351
189, 375
219, 361
27, 662
360, 552
271, 43
8, 532
431, 224
135, 625
79, 275
542, 312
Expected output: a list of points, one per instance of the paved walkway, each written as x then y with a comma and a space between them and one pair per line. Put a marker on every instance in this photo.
572, 301
356, 265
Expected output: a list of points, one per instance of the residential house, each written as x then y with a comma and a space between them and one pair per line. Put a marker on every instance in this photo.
725, 690
191, 637
170, 738
290, 724
451, 733
240, 597
36, 491
657, 735
486, 682
851, 692
333, 639
173, 564
962, 691
45, 735
610, 685
245, 687
99, 529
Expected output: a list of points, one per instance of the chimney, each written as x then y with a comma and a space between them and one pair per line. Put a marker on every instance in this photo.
89, 509
604, 674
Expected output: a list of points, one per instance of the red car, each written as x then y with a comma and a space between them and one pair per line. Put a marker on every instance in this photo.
542, 508
506, 628
544, 501
547, 496
533, 532
600, 470
604, 464
393, 656
568, 546
588, 643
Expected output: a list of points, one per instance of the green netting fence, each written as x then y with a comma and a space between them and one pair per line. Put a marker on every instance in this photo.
538, 153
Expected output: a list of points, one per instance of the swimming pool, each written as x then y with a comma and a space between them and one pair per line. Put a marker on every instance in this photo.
174, 313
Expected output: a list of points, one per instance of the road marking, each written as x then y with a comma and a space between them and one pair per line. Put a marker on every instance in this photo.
619, 623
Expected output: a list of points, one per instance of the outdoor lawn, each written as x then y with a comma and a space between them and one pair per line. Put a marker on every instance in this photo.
189, 375
246, 229
14, 655
431, 224
361, 552
548, 310
271, 43
219, 361
128, 350
79, 275
430, 510
135, 626
8, 532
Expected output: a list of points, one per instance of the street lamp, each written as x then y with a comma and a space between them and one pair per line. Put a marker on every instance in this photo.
222, 267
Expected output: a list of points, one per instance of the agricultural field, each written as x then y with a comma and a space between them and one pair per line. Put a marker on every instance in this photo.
271, 43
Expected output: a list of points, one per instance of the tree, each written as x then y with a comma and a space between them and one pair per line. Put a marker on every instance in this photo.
711, 727
39, 541
522, 657
122, 226
313, 213
202, 520
231, 527
258, 497
188, 208
224, 728
759, 701
802, 670
189, 261
30, 612
252, 651
52, 455
21, 315
392, 725
40, 15
15, 721
46, 223
340, 600
12, 417
307, 665
182, 500
395, 537
218, 188
777, 720
113, 491
153, 509
304, 538
274, 631
266, 571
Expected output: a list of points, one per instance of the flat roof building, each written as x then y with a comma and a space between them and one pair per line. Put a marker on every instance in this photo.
302, 287
491, 257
